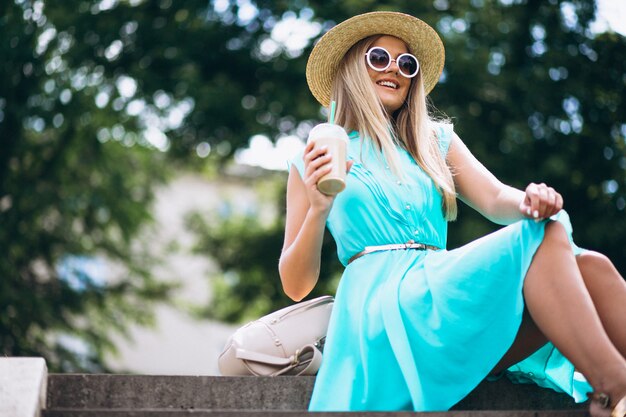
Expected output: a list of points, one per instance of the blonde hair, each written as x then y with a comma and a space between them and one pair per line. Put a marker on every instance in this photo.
359, 108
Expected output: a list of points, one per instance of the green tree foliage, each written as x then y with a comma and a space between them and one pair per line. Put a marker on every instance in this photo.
68, 196
98, 99
529, 86
534, 94
247, 251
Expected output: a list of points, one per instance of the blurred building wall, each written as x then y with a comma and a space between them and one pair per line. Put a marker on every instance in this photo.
180, 344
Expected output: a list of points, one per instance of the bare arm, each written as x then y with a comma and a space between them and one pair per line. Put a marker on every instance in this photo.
299, 264
498, 202
307, 211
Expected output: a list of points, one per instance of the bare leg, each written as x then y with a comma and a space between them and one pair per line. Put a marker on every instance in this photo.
529, 338
561, 306
608, 291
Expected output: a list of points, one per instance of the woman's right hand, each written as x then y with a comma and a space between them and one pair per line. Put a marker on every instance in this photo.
317, 164
305, 221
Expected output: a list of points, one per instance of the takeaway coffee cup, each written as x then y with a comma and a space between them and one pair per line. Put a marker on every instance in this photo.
333, 136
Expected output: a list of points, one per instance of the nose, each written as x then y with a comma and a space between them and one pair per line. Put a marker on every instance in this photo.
393, 66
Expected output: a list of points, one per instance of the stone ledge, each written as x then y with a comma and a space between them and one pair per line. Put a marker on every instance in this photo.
275, 413
256, 393
22, 386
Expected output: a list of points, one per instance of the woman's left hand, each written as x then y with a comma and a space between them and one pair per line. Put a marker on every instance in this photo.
540, 202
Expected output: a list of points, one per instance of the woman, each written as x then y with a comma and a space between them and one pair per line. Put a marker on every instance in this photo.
415, 326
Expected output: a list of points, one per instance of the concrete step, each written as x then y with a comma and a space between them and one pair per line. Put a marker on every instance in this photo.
220, 394
249, 413
178, 392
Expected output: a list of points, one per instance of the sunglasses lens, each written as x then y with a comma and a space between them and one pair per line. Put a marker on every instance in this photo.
378, 58
408, 65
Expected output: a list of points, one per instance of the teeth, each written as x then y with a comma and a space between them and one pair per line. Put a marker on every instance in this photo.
387, 84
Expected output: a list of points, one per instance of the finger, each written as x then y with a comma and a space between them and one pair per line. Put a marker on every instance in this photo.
314, 158
319, 167
551, 202
559, 202
320, 172
314, 153
309, 146
313, 178
532, 194
555, 202
306, 156
321, 160
349, 164
543, 203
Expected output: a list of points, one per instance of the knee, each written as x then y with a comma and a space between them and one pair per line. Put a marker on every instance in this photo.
594, 261
556, 234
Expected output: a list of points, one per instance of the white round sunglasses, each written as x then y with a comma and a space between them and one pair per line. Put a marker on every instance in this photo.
379, 59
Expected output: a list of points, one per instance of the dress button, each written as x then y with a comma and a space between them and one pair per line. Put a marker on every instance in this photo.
417, 232
408, 207
399, 182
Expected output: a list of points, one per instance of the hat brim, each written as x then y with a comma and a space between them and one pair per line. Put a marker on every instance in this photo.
421, 39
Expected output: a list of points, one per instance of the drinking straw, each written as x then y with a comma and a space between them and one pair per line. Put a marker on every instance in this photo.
331, 117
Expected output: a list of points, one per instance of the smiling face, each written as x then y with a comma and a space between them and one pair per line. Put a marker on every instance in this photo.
392, 88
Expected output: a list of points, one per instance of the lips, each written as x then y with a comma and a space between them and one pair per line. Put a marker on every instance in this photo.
388, 83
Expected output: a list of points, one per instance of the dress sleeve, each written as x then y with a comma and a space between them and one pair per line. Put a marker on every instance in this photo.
444, 135
298, 162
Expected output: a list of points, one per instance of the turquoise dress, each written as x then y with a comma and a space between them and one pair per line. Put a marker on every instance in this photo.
418, 330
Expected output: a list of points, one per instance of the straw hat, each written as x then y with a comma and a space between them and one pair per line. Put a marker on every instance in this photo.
422, 40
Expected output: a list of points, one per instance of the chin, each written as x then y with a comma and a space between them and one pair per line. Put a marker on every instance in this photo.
391, 104
392, 108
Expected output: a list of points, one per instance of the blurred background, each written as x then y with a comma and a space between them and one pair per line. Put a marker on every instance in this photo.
144, 148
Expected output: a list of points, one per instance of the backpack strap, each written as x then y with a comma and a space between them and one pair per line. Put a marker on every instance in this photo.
309, 355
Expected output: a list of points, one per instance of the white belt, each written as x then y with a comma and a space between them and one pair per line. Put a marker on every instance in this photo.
396, 246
